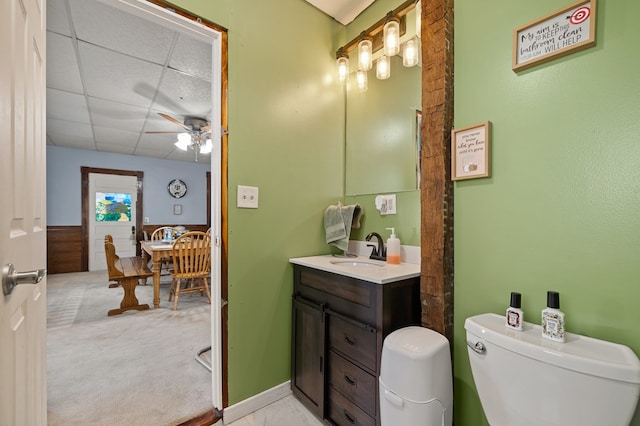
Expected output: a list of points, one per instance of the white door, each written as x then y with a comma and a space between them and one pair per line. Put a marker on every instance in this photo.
112, 205
23, 387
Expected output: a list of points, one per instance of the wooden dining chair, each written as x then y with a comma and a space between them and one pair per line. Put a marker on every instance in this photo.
157, 235
191, 264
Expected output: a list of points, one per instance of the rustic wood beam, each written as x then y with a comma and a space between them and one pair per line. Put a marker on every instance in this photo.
436, 192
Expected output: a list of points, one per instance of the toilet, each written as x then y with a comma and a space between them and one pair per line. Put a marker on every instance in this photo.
415, 379
523, 379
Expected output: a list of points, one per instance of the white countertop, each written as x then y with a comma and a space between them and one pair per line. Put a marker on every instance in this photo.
381, 274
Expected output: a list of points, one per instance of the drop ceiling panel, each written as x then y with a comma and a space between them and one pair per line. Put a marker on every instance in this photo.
192, 57
191, 95
57, 18
62, 66
111, 136
67, 106
108, 27
70, 134
158, 142
114, 76
113, 114
118, 149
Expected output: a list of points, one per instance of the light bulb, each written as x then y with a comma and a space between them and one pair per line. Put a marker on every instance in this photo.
343, 67
361, 78
391, 33
410, 53
184, 140
364, 55
383, 68
206, 148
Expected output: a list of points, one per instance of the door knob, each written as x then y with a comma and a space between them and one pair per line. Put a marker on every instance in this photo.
11, 278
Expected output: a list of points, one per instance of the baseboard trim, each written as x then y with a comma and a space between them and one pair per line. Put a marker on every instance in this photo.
256, 402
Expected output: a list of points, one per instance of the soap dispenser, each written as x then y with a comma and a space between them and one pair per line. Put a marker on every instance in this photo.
393, 248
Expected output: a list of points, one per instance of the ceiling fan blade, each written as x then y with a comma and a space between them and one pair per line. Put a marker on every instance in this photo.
173, 120
206, 129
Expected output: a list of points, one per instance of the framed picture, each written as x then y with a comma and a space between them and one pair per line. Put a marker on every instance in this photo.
569, 29
470, 152
177, 209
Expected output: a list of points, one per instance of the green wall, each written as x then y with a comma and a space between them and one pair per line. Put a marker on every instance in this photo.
286, 120
561, 209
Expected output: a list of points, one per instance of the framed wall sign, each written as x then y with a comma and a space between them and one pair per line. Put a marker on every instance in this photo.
567, 30
470, 148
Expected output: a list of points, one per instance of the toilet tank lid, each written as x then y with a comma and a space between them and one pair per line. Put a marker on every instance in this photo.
580, 353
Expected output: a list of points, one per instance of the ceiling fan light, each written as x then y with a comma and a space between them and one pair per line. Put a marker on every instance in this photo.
184, 140
206, 148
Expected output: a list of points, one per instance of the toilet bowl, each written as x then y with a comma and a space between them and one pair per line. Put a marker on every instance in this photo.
523, 379
415, 379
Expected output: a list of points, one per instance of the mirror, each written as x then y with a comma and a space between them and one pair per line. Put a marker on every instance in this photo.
382, 146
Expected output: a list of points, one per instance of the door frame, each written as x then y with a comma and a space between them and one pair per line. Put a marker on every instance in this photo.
86, 207
218, 35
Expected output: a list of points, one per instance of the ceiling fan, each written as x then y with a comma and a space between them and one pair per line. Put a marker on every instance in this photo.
196, 134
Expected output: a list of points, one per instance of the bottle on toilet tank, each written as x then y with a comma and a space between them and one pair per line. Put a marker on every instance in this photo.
515, 316
393, 248
553, 318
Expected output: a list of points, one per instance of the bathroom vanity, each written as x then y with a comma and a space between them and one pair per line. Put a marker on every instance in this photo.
343, 308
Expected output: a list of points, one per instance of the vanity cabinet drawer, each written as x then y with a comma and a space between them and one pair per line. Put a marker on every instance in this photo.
353, 382
343, 412
353, 339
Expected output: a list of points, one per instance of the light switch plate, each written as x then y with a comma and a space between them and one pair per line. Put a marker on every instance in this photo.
247, 197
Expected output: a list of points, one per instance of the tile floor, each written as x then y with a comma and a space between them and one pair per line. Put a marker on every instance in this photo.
287, 411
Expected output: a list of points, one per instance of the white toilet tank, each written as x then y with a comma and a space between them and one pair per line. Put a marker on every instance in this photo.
524, 379
415, 379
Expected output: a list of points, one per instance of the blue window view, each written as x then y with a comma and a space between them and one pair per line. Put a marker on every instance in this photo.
111, 207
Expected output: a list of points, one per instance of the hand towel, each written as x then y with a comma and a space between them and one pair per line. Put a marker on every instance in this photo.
334, 223
338, 221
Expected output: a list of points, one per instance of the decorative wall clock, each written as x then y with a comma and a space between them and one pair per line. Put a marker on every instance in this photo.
177, 188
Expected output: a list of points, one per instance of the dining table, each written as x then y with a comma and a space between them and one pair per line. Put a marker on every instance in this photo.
157, 251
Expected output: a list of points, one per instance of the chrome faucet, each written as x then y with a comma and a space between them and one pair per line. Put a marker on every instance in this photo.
380, 252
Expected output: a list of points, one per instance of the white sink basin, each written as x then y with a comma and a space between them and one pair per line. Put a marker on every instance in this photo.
357, 263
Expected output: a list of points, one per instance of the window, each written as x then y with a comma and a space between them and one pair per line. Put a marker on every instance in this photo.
112, 207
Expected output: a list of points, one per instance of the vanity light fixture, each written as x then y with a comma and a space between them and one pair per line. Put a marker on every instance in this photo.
365, 54
361, 79
343, 65
384, 34
383, 68
410, 52
391, 32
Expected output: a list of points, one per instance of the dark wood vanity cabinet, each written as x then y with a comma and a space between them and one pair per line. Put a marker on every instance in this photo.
339, 324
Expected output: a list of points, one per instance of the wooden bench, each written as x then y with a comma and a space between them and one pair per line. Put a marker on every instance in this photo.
126, 272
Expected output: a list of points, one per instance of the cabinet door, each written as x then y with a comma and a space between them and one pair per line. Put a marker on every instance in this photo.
307, 376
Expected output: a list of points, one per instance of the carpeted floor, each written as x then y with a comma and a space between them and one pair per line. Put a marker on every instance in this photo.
138, 368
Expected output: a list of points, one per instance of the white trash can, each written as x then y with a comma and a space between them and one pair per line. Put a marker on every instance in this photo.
416, 383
